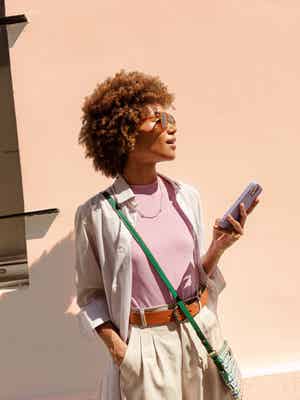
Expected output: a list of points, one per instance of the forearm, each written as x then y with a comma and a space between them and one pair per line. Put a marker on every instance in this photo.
211, 258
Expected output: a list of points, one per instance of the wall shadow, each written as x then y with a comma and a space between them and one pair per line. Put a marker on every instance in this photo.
43, 347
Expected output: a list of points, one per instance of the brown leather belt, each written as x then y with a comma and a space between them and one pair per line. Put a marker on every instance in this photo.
146, 318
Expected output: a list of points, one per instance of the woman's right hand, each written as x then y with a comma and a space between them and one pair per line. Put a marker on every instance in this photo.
110, 335
118, 350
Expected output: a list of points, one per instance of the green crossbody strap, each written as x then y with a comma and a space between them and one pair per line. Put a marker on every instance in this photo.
179, 302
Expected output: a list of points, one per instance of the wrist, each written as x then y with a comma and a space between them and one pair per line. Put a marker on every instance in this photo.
109, 333
211, 258
216, 249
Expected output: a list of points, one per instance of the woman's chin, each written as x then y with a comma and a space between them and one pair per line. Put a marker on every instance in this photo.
170, 155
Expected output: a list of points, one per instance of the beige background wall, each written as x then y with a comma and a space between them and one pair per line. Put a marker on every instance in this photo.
234, 67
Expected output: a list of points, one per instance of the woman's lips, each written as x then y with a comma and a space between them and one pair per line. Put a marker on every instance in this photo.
171, 141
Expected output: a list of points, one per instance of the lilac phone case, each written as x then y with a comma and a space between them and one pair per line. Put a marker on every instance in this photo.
247, 197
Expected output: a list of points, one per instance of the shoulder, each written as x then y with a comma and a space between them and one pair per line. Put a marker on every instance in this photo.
187, 190
185, 187
190, 190
91, 205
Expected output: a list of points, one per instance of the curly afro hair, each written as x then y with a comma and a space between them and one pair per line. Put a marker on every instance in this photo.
112, 114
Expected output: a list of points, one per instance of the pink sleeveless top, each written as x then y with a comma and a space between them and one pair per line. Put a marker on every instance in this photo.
169, 237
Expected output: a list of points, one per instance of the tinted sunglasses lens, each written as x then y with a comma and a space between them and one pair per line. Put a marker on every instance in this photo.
164, 120
171, 120
167, 119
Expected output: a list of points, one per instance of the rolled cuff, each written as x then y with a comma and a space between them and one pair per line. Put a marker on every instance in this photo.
92, 315
218, 279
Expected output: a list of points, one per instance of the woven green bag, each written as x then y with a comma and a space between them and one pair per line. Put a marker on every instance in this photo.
224, 358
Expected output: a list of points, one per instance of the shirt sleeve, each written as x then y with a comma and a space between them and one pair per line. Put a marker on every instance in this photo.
216, 277
90, 291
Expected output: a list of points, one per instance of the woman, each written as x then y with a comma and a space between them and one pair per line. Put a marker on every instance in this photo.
127, 129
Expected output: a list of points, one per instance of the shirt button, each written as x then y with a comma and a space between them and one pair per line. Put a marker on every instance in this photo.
121, 249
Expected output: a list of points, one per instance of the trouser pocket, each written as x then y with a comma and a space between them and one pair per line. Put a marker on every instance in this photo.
127, 356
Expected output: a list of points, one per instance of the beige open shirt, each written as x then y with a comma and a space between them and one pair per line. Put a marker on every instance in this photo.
103, 263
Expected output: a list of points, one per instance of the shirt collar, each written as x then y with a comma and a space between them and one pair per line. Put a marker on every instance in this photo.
123, 191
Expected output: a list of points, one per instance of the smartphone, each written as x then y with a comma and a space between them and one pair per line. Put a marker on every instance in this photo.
247, 197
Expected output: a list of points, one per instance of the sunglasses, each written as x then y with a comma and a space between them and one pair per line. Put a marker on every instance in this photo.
164, 119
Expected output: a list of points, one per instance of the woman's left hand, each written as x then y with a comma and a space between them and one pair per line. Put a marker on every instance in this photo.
224, 239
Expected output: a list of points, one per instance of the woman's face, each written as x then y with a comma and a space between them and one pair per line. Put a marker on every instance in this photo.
152, 141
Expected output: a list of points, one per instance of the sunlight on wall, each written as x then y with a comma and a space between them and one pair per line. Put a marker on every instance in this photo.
271, 370
73, 307
4, 291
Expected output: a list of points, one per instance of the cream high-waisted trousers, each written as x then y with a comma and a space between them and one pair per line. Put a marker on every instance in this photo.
169, 362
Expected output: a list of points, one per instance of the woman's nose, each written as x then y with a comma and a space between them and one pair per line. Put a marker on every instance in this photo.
174, 130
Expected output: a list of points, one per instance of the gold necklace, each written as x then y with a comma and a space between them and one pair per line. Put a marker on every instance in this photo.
160, 208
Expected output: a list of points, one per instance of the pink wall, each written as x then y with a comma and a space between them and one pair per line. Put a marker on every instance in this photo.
234, 67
